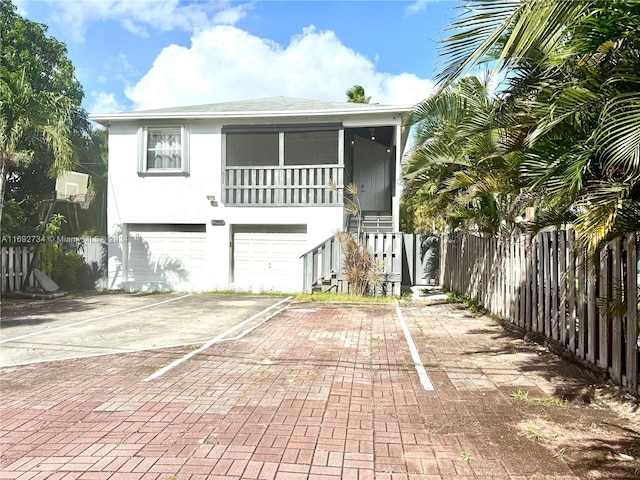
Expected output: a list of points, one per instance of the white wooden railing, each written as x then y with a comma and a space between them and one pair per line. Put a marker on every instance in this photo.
324, 264
285, 186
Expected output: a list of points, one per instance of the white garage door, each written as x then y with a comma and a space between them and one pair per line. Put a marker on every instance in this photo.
268, 258
165, 257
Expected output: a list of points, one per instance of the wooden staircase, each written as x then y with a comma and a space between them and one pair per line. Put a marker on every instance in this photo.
372, 222
324, 266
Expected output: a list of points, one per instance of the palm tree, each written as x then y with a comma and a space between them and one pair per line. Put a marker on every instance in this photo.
356, 95
573, 95
456, 175
29, 118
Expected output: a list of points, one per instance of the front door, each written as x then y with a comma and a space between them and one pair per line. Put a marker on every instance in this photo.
372, 175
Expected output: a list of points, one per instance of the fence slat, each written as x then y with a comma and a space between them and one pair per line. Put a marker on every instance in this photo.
604, 320
562, 287
592, 315
571, 288
617, 333
554, 266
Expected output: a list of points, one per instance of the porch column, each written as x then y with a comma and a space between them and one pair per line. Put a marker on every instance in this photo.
395, 200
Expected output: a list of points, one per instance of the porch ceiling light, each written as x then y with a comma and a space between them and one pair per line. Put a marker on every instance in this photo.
373, 133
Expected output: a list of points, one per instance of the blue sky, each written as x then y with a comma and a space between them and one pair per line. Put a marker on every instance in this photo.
137, 54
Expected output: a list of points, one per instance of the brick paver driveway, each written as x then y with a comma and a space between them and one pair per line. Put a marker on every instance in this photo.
317, 392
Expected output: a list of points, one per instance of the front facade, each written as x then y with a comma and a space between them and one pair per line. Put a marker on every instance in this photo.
230, 195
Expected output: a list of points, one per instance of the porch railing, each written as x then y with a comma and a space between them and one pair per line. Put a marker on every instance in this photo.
324, 265
283, 185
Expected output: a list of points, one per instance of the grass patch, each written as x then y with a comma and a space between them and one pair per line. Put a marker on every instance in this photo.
467, 457
536, 435
549, 401
559, 454
268, 293
471, 303
341, 298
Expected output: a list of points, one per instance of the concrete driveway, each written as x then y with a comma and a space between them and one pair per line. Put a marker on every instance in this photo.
67, 328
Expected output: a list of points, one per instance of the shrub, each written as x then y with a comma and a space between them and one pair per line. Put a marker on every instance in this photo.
361, 269
67, 266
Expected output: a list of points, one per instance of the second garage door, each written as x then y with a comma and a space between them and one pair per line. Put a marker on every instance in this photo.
267, 258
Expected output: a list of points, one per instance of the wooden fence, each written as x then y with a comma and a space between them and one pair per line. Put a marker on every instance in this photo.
546, 284
14, 264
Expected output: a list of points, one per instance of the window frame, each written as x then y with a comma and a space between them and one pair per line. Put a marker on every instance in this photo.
143, 151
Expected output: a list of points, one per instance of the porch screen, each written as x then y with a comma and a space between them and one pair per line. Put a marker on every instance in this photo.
255, 149
318, 147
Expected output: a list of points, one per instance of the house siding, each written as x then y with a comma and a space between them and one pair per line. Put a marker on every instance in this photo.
182, 199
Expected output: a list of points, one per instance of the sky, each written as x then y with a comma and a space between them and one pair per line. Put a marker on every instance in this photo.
144, 54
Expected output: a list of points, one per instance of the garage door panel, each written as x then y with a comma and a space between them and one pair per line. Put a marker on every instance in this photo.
166, 259
267, 260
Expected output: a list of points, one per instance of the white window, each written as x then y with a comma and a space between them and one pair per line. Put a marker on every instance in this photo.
163, 150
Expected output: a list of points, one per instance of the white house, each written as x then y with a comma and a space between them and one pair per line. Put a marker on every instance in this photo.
230, 195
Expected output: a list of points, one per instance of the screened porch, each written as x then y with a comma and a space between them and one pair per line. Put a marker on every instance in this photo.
283, 165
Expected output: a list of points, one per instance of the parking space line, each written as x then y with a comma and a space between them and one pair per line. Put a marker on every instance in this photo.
101, 317
218, 338
415, 355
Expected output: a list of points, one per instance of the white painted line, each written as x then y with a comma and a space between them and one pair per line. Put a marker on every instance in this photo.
101, 317
217, 339
415, 355
251, 329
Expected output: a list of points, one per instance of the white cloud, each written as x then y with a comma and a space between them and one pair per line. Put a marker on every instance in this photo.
105, 103
417, 6
231, 15
226, 63
21, 7
405, 88
141, 16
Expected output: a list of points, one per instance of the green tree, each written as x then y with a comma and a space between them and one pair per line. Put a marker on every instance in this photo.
456, 176
28, 118
356, 95
570, 103
36, 70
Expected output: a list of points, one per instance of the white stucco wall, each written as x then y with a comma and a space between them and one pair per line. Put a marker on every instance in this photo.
179, 199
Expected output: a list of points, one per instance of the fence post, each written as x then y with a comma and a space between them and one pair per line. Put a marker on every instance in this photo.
617, 333
562, 287
592, 313
605, 295
554, 260
632, 314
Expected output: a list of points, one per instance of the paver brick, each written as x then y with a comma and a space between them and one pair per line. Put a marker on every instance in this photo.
325, 392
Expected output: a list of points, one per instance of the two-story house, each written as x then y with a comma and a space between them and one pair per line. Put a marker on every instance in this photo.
230, 195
